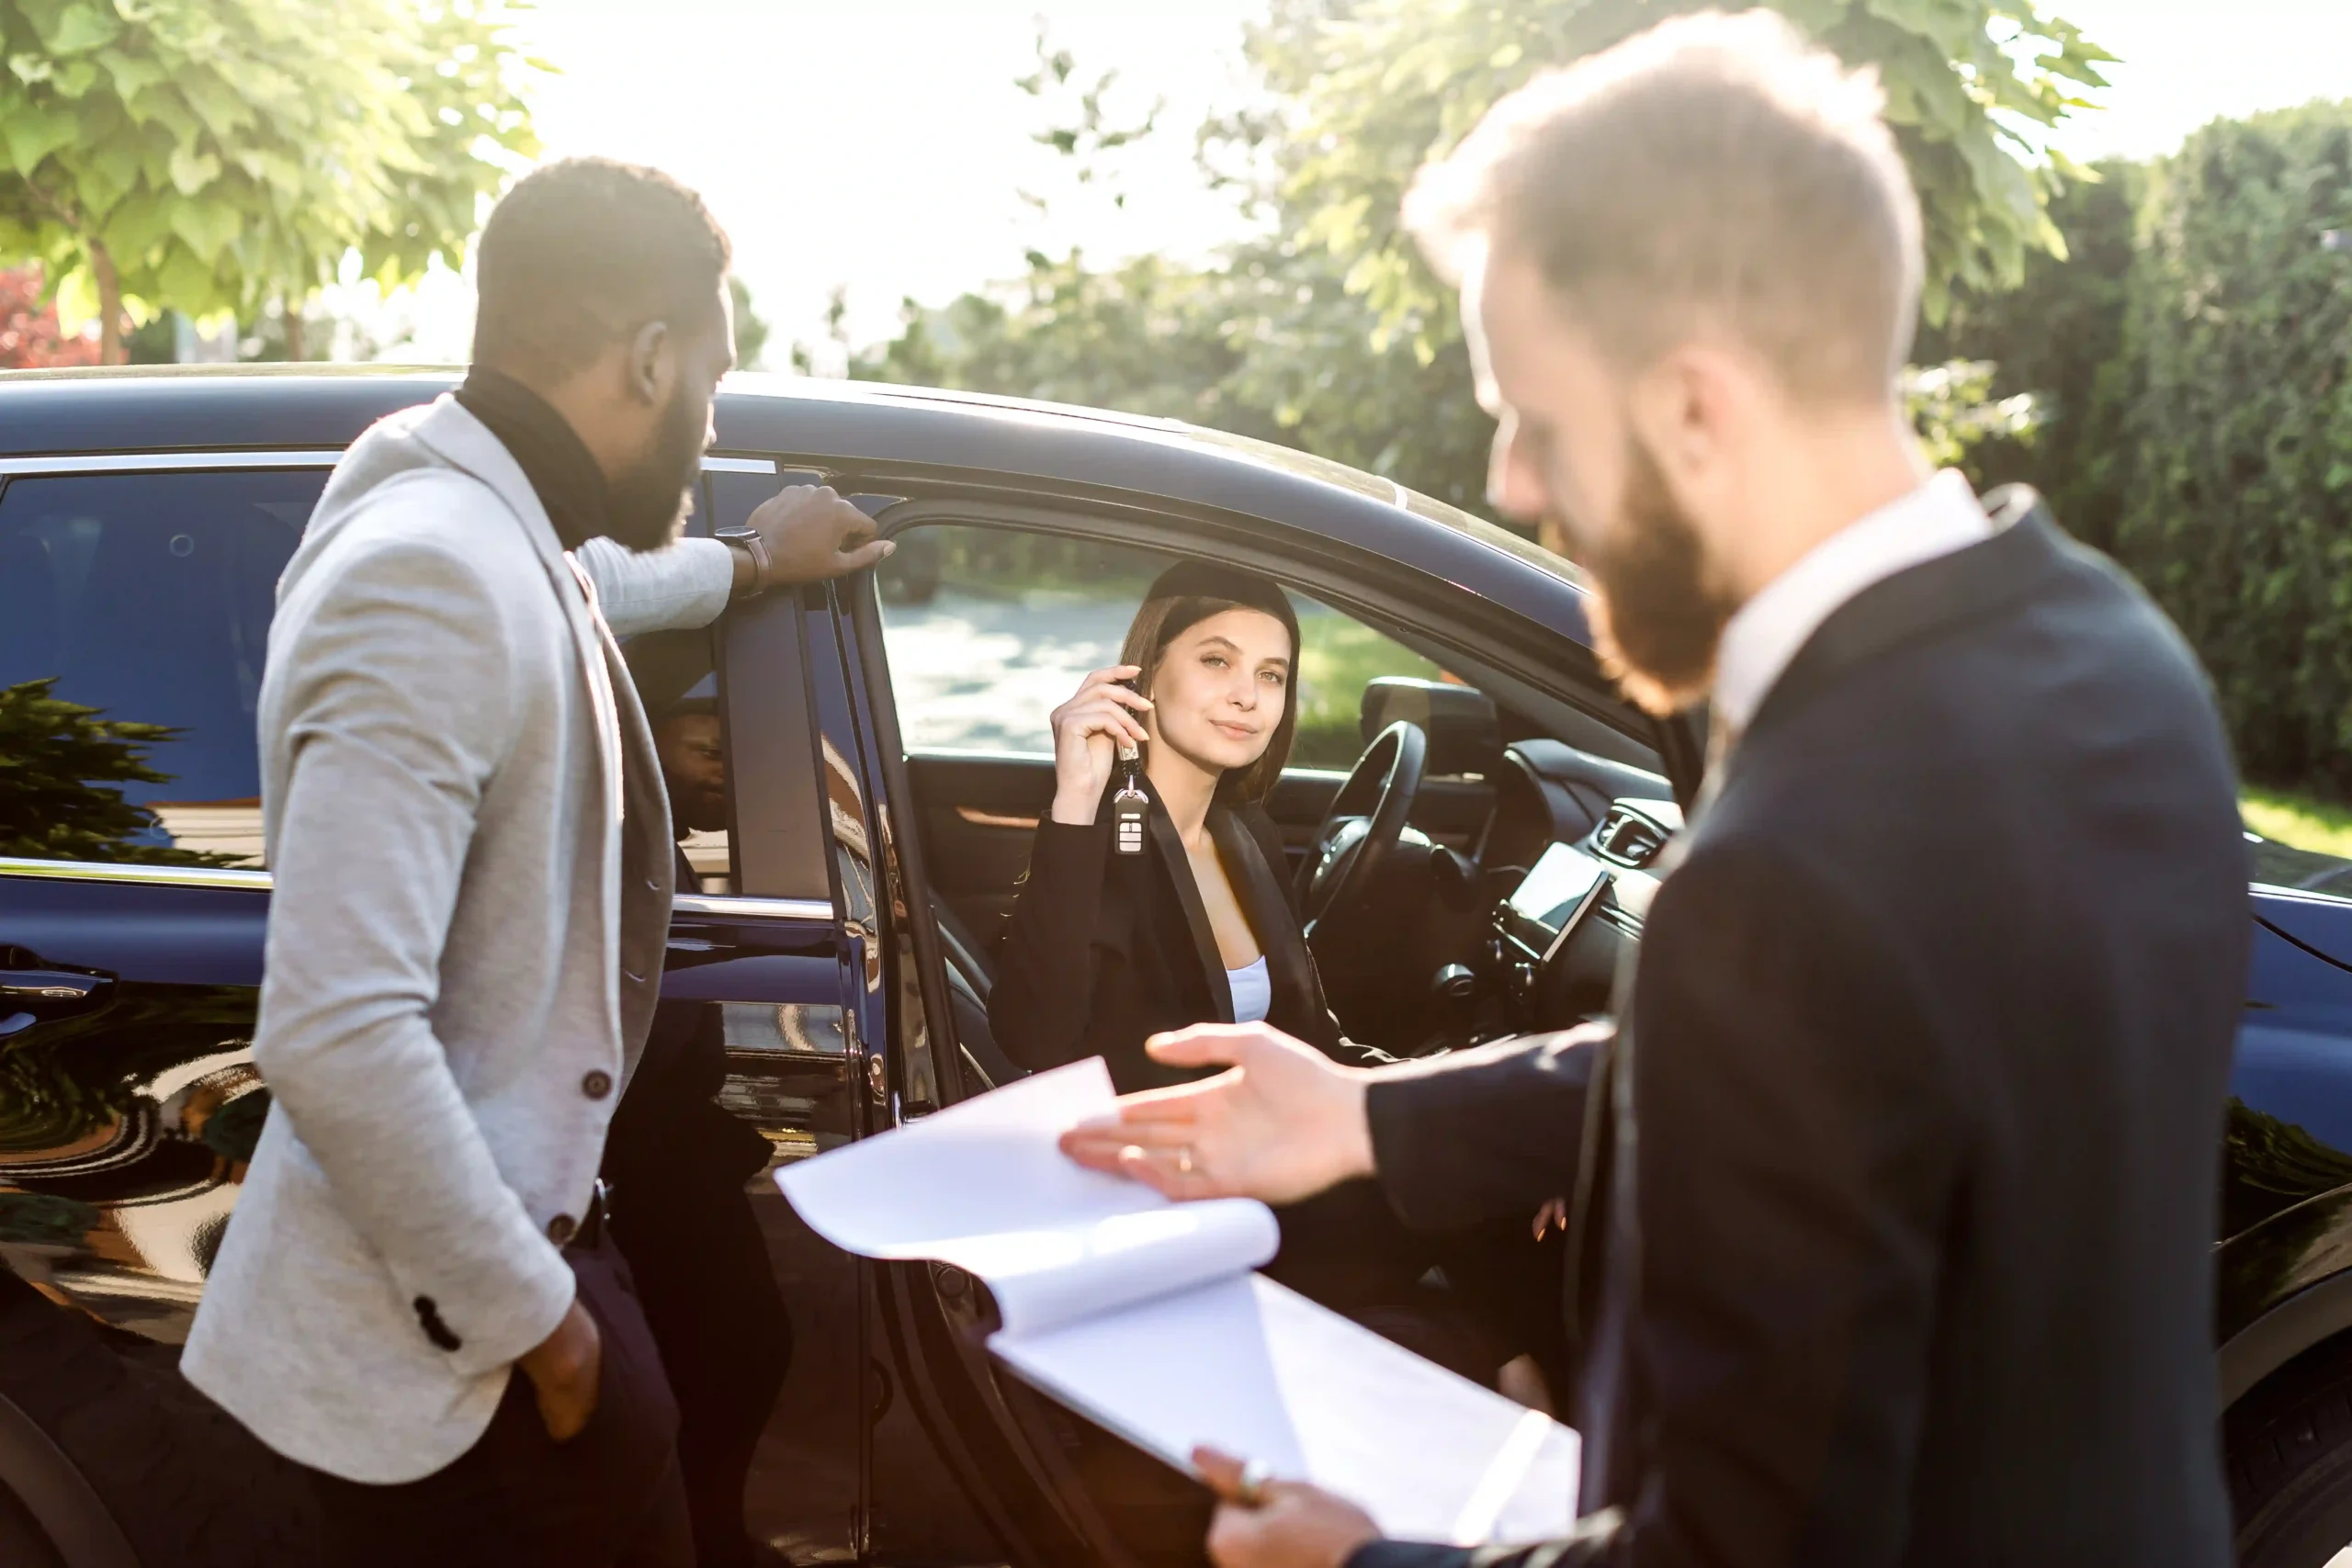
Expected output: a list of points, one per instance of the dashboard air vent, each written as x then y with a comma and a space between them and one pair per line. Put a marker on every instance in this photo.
1633, 838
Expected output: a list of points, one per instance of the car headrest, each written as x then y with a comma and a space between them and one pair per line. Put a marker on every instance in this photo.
1465, 735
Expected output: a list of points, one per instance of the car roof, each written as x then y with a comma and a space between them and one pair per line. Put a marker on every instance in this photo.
868, 428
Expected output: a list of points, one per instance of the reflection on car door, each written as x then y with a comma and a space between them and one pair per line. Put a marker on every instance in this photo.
134, 616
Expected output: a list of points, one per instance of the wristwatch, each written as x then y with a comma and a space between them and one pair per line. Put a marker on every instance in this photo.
755, 548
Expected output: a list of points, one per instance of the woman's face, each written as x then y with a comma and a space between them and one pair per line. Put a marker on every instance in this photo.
1220, 689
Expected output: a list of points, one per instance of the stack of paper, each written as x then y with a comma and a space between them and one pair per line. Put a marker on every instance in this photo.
1148, 1317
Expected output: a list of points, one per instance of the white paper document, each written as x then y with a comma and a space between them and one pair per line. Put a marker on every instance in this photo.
1148, 1317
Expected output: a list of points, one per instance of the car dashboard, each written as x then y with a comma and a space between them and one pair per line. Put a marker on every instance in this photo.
1561, 930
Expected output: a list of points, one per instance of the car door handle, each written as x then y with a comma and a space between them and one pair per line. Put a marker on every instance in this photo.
48, 987
51, 991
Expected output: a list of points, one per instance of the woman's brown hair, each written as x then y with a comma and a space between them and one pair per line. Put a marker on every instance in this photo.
1183, 597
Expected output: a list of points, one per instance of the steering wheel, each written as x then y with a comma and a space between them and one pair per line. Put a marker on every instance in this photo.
1366, 821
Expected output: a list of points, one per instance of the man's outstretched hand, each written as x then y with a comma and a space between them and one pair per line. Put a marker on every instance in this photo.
1281, 1524
812, 534
1284, 1124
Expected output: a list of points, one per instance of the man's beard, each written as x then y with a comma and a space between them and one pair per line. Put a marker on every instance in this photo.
649, 502
697, 811
1656, 620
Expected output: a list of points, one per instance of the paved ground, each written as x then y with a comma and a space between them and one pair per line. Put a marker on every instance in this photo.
980, 674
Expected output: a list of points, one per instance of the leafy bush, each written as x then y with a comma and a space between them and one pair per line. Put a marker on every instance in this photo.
2237, 372
2058, 338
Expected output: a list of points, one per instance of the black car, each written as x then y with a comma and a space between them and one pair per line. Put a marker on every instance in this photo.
887, 761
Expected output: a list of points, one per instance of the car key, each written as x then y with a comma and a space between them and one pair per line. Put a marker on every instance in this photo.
1129, 806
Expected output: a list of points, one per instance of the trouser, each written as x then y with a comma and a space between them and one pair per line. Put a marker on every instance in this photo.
609, 1497
678, 1163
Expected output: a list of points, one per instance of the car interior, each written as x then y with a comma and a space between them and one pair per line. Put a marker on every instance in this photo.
1441, 845
1467, 868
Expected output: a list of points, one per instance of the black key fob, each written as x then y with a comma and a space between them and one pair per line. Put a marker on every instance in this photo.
1128, 808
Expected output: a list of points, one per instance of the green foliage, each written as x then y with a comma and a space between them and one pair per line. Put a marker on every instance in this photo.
2237, 377
211, 155
1330, 334
58, 762
2058, 337
1954, 409
1086, 138
1371, 88
1338, 658
1144, 338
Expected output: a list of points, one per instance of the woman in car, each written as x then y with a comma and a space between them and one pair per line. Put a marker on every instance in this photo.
1107, 949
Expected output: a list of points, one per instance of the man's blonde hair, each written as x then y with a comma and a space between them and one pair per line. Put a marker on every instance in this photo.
1716, 173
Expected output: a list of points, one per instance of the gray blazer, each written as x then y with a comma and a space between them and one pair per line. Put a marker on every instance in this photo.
472, 859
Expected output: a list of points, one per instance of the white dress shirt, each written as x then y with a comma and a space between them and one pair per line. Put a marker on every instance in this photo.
1940, 517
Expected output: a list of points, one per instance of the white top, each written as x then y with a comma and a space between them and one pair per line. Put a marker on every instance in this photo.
1940, 517
1254, 992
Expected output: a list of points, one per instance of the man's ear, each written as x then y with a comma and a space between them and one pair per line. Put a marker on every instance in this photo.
649, 369
1688, 407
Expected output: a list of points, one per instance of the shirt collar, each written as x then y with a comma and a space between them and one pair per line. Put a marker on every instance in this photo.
1940, 517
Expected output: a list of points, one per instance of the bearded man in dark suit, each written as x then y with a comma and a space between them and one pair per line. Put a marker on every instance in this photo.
1895, 1183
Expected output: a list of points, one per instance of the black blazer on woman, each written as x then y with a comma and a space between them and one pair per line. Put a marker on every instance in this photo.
1107, 950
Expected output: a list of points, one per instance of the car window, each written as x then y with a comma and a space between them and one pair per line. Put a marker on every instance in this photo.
134, 625
988, 629
1338, 658
134, 617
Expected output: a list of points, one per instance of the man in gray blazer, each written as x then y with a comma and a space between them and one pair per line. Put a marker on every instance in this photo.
472, 856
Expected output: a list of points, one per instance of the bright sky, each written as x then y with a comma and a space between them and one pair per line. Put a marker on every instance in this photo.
881, 144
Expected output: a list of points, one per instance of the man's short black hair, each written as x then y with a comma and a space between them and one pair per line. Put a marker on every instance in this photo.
585, 250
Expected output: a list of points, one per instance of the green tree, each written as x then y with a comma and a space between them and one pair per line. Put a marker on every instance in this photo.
2058, 338
1144, 337
1361, 354
1329, 333
61, 767
1371, 88
2237, 379
214, 155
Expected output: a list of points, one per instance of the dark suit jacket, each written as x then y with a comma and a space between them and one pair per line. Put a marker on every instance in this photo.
1106, 950
1898, 1205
